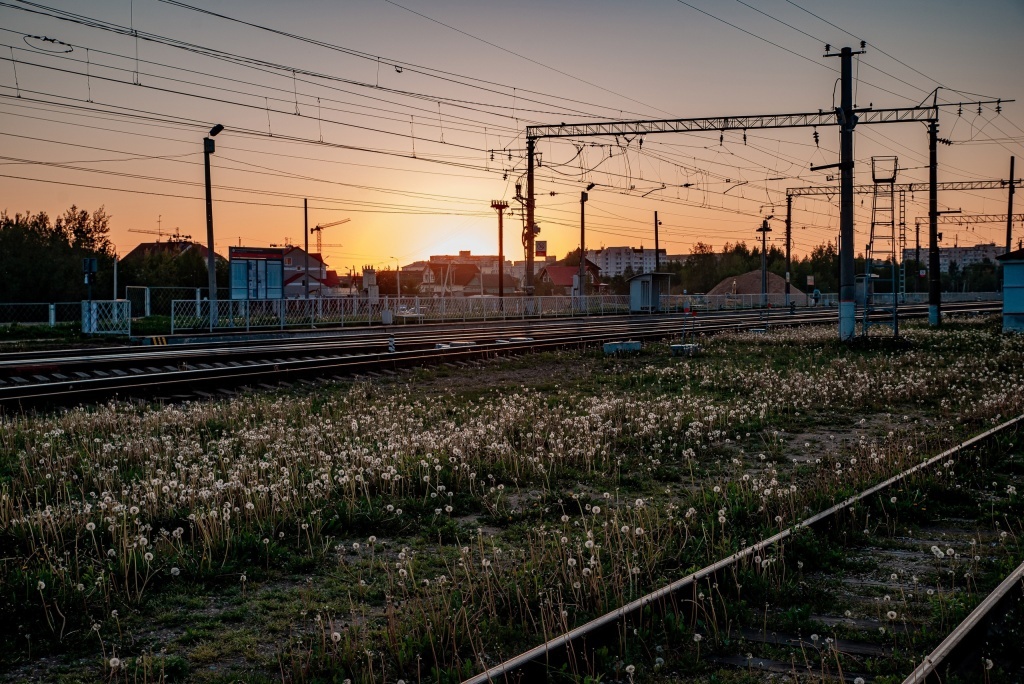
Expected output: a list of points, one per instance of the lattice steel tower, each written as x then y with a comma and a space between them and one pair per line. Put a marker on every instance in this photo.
882, 273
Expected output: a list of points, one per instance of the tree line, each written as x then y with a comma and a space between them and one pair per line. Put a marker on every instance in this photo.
41, 259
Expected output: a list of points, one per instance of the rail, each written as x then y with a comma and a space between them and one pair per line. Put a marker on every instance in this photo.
572, 647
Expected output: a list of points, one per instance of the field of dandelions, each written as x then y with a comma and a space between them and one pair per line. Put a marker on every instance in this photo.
417, 528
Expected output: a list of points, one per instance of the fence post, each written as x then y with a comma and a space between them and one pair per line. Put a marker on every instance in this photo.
146, 303
53, 315
282, 304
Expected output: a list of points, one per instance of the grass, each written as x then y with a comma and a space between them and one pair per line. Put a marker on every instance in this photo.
377, 531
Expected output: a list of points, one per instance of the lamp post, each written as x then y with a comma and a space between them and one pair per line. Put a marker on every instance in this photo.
211, 265
583, 239
764, 230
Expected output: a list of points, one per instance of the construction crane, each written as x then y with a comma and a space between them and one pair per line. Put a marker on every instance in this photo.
174, 237
319, 230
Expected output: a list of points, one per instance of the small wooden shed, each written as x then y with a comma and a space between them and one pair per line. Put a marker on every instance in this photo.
1013, 290
645, 291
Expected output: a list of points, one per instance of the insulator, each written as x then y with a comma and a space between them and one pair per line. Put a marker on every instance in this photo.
744, 137
721, 139
492, 155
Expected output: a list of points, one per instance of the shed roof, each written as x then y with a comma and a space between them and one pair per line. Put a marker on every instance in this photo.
1015, 255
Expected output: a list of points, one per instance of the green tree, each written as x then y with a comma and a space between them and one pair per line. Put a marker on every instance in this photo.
42, 262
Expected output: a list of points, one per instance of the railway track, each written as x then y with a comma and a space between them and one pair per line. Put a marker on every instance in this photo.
188, 371
863, 591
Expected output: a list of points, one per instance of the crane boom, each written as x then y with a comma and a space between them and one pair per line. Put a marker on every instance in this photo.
319, 230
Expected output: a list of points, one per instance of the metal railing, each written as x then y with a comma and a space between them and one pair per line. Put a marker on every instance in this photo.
107, 317
192, 314
157, 301
40, 313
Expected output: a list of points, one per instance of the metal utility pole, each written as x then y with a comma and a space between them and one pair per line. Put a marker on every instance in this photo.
305, 232
917, 255
1009, 213
657, 254
789, 241
847, 121
583, 239
764, 230
500, 206
529, 231
845, 116
211, 264
934, 276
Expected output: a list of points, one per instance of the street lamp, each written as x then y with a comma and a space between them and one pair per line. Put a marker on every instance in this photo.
211, 266
583, 239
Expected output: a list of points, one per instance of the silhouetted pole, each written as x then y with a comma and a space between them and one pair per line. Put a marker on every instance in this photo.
305, 230
764, 230
847, 283
1009, 212
529, 230
789, 240
657, 254
211, 265
500, 206
934, 276
583, 240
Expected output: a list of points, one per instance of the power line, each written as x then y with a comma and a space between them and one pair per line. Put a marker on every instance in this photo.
503, 49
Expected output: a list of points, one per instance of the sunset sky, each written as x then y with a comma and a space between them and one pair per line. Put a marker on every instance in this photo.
388, 113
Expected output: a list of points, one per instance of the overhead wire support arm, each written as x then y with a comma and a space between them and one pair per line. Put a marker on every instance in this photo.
727, 123
907, 187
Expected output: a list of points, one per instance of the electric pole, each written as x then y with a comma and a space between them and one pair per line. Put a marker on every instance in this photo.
789, 241
917, 255
934, 276
500, 206
764, 230
847, 121
583, 240
529, 232
657, 254
1009, 213
305, 232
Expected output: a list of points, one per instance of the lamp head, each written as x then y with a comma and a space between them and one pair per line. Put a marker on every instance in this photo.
590, 187
215, 130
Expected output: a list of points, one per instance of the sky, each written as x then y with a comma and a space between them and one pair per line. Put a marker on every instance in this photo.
407, 117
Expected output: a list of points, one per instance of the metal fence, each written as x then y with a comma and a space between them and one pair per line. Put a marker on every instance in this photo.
192, 314
40, 313
107, 317
157, 301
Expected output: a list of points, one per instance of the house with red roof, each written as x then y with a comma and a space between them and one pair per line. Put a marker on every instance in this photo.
557, 279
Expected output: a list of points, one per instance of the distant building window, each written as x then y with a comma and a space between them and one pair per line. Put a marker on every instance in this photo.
287, 261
